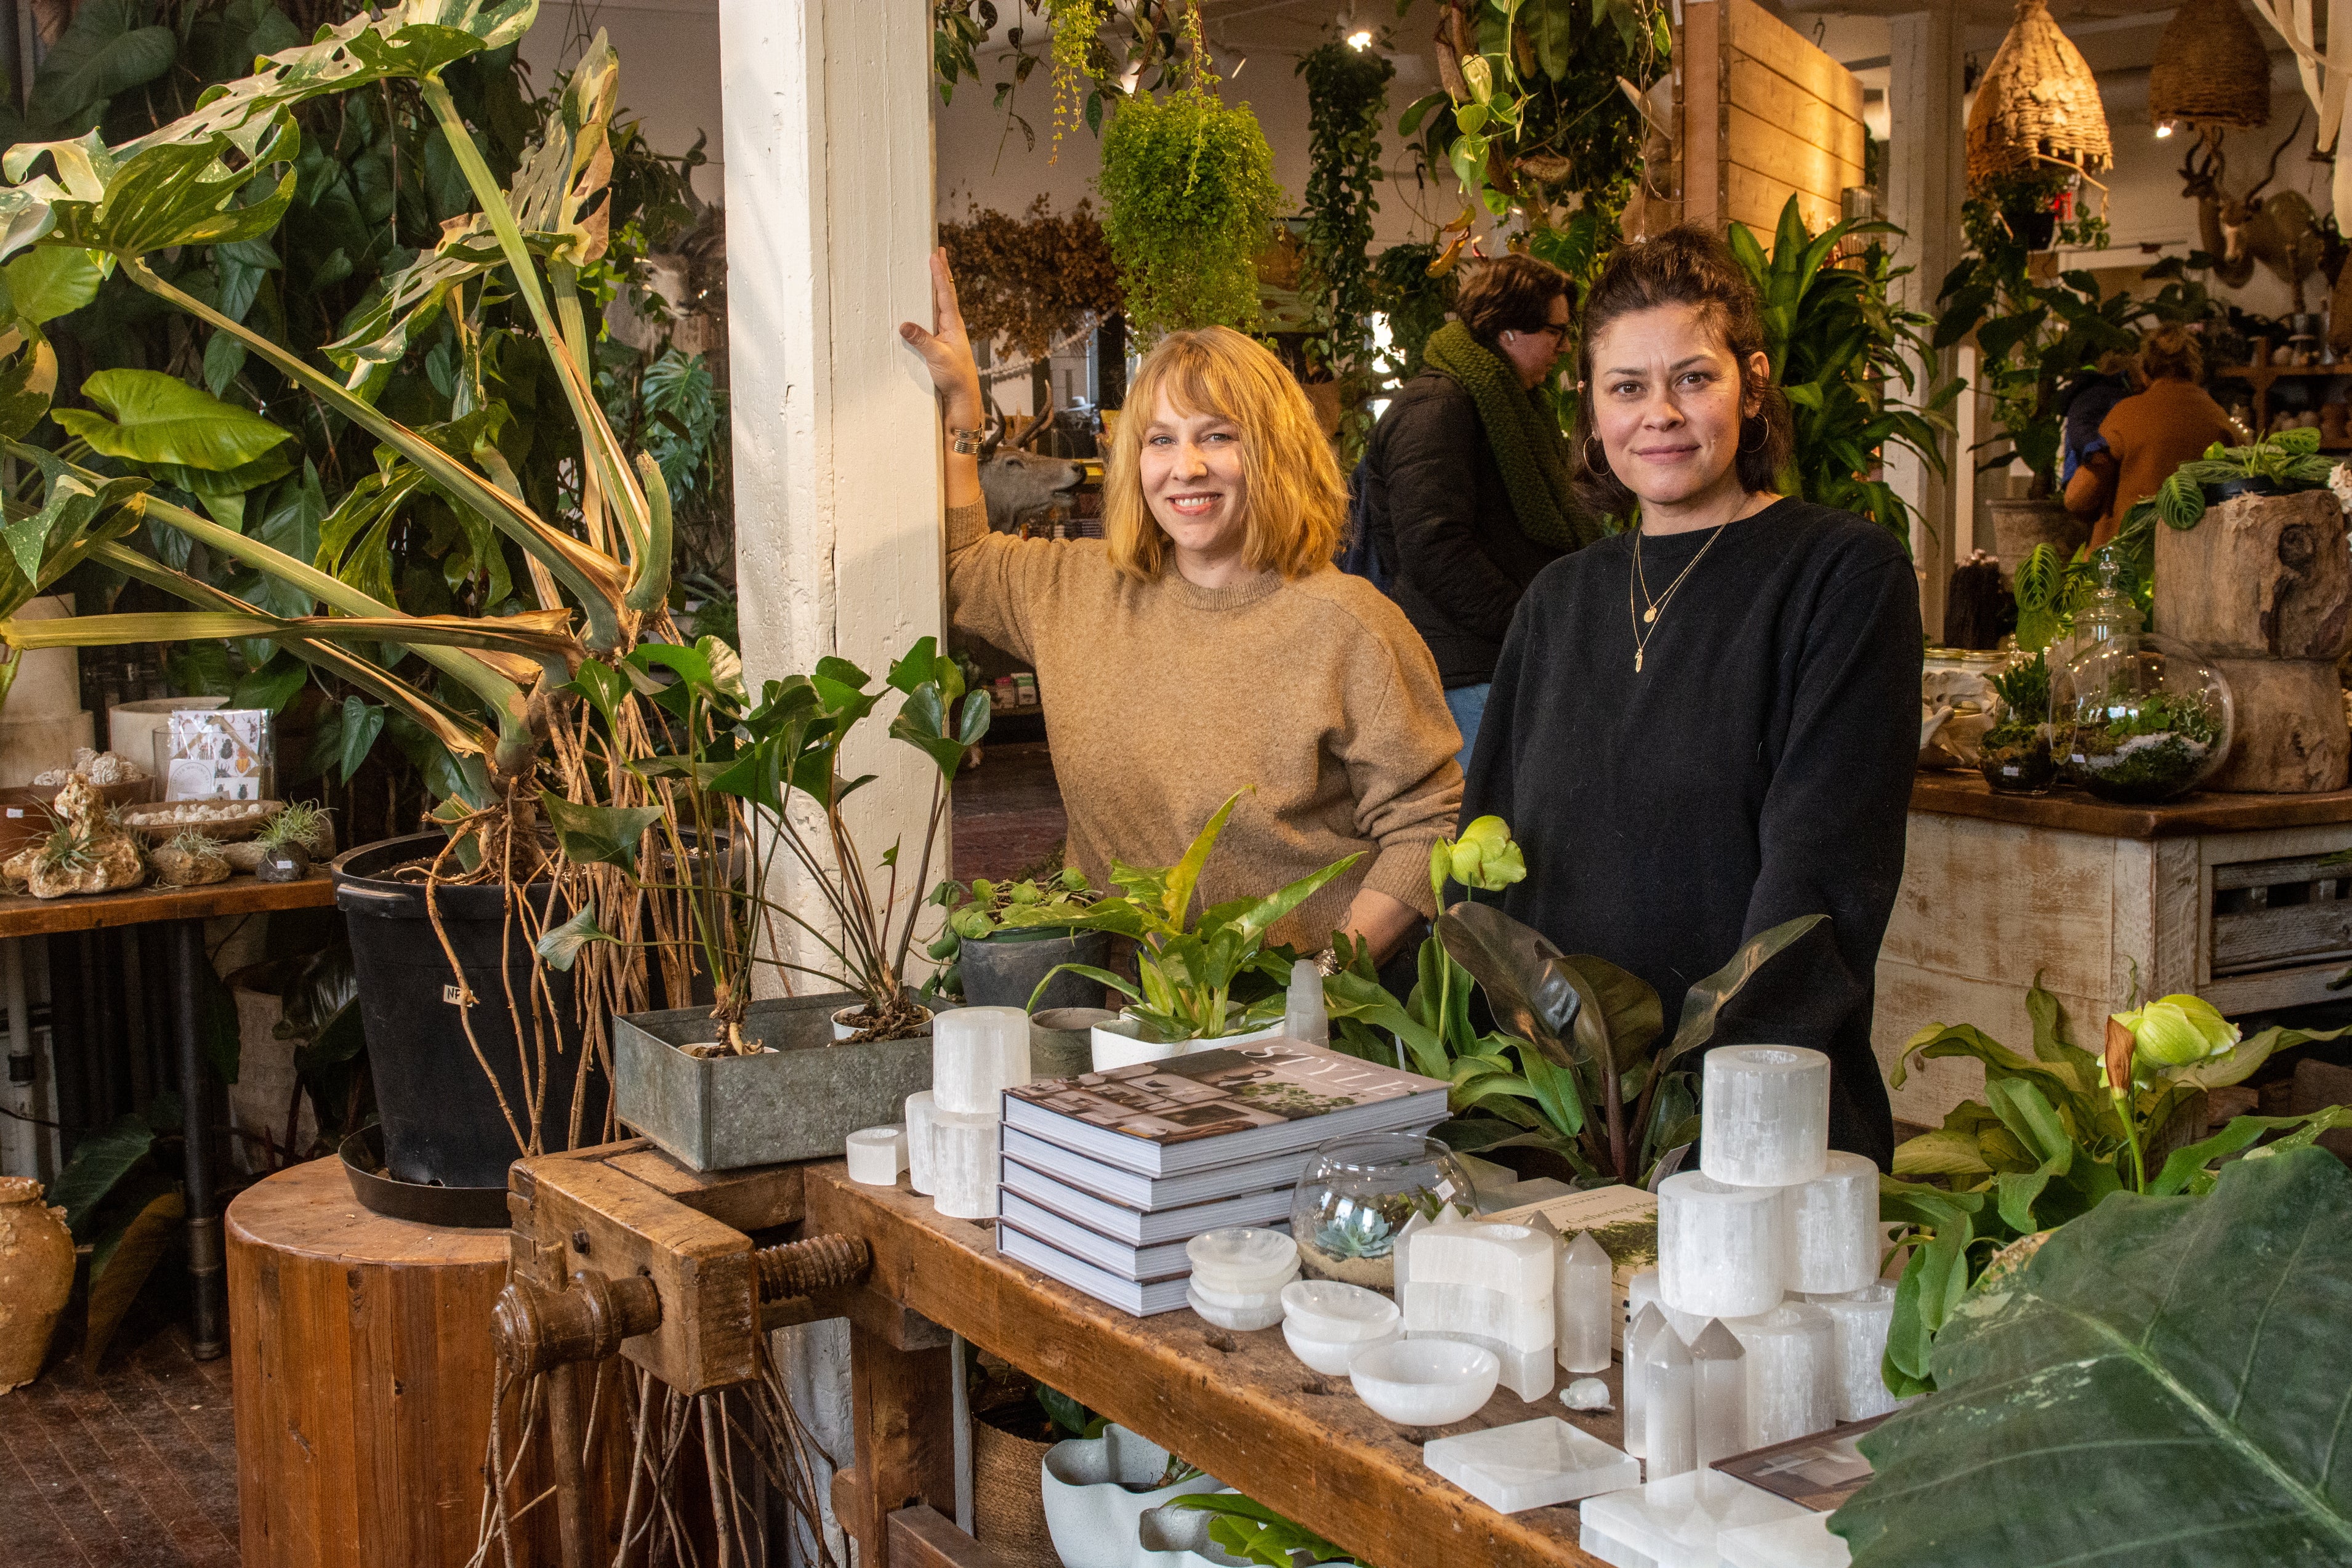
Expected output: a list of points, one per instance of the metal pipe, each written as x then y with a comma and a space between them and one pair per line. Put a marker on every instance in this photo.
69, 1039
207, 1275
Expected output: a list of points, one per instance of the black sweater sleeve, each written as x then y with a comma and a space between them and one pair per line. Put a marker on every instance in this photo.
1833, 821
1433, 514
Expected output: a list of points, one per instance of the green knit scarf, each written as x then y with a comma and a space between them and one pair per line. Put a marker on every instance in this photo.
1526, 441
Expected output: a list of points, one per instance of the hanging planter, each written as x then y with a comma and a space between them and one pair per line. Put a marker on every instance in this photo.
2037, 105
2211, 71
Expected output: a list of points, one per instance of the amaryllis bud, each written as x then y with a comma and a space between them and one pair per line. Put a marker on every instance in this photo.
2180, 1029
1484, 857
2115, 1067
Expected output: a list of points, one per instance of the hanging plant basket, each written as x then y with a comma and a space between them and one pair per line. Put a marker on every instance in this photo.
2211, 69
2037, 105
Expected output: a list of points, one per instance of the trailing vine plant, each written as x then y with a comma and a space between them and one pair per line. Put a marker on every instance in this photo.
1346, 92
1097, 53
1189, 199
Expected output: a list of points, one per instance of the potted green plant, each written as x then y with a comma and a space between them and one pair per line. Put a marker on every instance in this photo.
991, 965
1185, 975
2057, 1133
480, 1054
740, 1082
2014, 755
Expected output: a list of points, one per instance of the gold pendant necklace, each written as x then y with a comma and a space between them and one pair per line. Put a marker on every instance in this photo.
1648, 617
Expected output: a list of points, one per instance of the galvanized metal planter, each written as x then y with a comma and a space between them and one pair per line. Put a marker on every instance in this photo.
799, 1100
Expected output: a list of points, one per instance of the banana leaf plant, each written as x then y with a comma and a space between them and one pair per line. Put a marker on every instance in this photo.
1838, 347
2053, 1139
1574, 1065
526, 753
739, 764
1185, 976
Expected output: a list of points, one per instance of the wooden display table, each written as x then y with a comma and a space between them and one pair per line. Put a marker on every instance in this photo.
183, 912
362, 1371
2219, 894
1240, 1405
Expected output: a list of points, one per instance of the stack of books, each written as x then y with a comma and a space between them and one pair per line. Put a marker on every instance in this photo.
1105, 1176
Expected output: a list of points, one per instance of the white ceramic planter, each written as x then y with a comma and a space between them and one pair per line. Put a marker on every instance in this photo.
1089, 1508
1179, 1538
1121, 1043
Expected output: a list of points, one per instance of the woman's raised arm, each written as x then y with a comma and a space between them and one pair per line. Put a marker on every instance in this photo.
946, 348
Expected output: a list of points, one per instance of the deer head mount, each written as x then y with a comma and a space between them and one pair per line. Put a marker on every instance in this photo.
1013, 478
2238, 230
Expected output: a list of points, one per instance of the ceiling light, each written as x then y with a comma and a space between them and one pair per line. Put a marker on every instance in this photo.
1361, 39
2163, 130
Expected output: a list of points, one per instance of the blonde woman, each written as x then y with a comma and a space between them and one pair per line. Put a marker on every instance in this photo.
1207, 645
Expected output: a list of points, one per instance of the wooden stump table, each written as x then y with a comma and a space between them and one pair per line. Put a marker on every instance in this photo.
362, 1373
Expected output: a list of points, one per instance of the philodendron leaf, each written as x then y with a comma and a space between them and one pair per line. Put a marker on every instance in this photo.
1704, 1001
597, 835
2163, 1384
157, 418
1535, 995
560, 948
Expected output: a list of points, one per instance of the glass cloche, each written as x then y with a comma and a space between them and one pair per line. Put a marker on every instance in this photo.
2140, 719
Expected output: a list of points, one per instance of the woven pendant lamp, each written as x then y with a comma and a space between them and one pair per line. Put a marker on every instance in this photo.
2038, 104
2211, 69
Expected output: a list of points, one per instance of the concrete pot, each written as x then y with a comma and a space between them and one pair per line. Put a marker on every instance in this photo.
800, 1100
1003, 971
2019, 524
1124, 1043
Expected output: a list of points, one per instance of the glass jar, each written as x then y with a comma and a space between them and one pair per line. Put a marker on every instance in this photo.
2014, 753
1358, 1192
2140, 719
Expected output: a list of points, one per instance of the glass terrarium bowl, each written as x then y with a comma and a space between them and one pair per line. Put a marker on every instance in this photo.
1357, 1192
2140, 719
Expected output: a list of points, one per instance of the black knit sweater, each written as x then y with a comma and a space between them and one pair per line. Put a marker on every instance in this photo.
1757, 768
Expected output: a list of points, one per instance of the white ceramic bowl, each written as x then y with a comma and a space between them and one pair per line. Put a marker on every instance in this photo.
1331, 1357
1266, 1301
1338, 1313
1242, 1260
1243, 1319
1425, 1382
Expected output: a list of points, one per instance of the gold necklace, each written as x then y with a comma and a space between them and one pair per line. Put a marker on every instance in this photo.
1648, 617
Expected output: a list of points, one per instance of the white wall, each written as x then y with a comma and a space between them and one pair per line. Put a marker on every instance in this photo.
669, 67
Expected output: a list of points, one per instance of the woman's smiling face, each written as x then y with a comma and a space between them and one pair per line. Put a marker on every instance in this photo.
1667, 405
1190, 468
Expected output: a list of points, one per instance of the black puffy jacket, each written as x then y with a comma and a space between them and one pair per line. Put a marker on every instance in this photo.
1443, 528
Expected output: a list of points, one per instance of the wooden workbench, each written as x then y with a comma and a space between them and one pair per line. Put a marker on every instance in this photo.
2219, 894
1238, 1405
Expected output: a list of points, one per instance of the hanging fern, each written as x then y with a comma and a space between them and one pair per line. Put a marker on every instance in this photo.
1346, 92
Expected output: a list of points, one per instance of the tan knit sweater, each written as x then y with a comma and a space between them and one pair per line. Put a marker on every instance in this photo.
1162, 698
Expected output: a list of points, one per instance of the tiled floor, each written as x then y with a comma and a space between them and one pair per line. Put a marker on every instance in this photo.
1008, 812
134, 1467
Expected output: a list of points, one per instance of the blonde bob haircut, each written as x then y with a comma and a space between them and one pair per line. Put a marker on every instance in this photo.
1297, 502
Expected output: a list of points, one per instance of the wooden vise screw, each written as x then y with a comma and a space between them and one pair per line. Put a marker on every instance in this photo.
538, 1329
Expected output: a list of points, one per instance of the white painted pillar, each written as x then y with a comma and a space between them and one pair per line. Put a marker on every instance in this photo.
827, 110
1925, 183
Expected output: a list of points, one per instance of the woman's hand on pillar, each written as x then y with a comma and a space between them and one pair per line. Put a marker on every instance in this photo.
946, 348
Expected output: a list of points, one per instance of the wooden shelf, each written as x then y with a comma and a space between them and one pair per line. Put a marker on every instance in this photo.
2256, 372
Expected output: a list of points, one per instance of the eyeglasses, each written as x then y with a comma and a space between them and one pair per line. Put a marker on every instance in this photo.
1558, 330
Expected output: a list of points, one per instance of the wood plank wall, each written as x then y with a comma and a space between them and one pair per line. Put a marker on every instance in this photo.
1765, 115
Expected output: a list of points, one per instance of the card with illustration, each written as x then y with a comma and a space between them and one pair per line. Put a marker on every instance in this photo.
220, 754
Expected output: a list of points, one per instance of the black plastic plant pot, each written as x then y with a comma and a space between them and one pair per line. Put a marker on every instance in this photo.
442, 1123
1002, 970
2250, 484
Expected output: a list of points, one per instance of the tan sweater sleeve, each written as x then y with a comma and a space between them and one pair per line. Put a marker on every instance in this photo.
994, 580
1400, 761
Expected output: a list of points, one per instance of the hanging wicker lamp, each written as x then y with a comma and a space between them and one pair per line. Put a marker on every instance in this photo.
2037, 105
2211, 69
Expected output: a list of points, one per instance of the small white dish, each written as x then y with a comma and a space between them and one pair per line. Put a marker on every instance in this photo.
1241, 1301
1243, 1259
1334, 1312
1329, 1357
1426, 1382
1245, 1320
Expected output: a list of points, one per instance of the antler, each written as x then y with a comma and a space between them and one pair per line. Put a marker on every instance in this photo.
2249, 199
993, 435
2204, 179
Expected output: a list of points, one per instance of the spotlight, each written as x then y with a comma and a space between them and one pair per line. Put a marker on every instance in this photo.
2163, 130
1361, 39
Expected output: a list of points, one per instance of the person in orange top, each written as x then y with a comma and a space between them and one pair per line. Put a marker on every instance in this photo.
2149, 435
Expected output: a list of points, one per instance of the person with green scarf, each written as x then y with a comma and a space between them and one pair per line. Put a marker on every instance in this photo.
1467, 479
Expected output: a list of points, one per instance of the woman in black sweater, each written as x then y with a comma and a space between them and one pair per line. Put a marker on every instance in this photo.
1706, 726
1469, 490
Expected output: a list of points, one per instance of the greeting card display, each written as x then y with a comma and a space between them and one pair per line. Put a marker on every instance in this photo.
222, 753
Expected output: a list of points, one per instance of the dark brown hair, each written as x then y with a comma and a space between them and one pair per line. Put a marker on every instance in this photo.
1509, 294
1683, 265
2171, 350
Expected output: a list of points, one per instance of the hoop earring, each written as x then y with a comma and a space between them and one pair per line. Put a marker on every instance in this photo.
1599, 465
1766, 431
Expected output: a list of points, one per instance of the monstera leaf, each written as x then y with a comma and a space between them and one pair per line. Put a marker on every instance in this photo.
2163, 1384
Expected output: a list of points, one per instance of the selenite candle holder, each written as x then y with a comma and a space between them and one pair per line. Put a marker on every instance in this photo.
1487, 1285
1642, 1290
1830, 1226
1720, 1251
977, 1053
1858, 1326
876, 1156
964, 1150
922, 1142
1791, 1390
1764, 1116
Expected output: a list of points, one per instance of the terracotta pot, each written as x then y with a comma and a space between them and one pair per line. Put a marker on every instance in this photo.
37, 1269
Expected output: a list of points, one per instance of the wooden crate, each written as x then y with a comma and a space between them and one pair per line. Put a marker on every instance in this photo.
1764, 115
